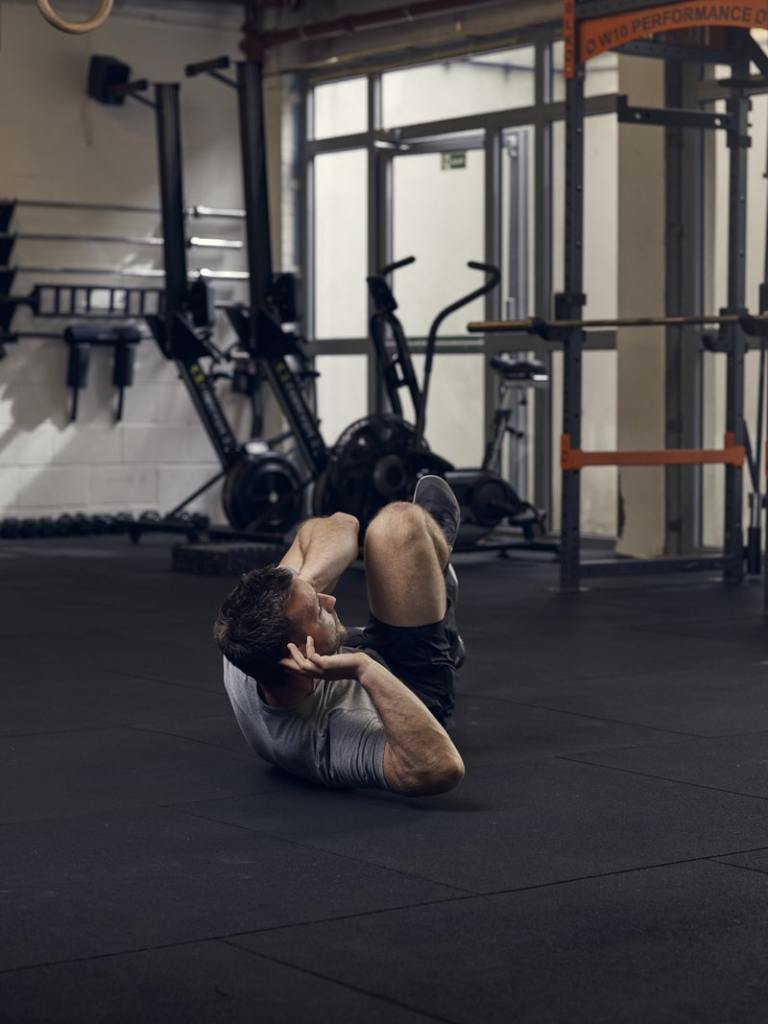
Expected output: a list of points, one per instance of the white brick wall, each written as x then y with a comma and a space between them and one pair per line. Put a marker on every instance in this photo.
60, 145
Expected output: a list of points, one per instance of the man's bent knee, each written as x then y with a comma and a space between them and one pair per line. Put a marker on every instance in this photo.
398, 523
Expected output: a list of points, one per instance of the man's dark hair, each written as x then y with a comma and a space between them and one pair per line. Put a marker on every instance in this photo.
252, 629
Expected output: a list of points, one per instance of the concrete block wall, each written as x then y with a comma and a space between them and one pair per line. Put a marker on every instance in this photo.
59, 145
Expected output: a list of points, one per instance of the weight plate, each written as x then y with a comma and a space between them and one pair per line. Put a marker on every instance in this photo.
371, 465
263, 493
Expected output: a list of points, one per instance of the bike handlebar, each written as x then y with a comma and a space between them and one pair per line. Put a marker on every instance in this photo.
494, 277
391, 267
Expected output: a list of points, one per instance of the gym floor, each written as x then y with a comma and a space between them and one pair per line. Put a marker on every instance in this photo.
605, 860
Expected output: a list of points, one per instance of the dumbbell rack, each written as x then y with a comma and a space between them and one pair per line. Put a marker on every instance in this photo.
77, 524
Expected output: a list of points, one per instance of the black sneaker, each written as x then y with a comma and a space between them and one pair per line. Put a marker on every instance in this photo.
436, 496
458, 650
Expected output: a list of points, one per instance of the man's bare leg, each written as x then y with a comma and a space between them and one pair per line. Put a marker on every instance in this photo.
405, 557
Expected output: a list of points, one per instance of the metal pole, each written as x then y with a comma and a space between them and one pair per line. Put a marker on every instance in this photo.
379, 168
254, 157
178, 332
210, 275
199, 212
172, 201
685, 291
571, 308
543, 191
738, 142
493, 243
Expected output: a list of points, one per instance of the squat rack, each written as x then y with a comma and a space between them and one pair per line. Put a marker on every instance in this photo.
592, 27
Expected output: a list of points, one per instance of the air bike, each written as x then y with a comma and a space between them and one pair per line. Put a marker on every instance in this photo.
379, 458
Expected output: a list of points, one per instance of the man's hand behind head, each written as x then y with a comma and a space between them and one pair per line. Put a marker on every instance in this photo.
326, 666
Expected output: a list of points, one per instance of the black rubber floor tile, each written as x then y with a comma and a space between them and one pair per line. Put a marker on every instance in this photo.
732, 763
715, 699
514, 825
90, 886
171, 663
492, 731
499, 655
100, 770
677, 945
199, 983
63, 697
184, 657
747, 633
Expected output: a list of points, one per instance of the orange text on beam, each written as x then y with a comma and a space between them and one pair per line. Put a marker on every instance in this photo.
597, 35
569, 37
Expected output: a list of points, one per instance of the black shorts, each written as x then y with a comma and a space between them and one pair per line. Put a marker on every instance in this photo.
418, 655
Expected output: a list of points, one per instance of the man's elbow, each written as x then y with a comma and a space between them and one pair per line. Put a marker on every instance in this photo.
440, 778
345, 519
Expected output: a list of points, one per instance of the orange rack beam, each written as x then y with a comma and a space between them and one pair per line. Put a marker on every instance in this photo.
732, 455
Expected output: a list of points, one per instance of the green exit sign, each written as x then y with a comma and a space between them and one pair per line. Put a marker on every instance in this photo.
453, 161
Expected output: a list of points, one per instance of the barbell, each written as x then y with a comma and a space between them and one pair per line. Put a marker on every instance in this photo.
75, 27
552, 329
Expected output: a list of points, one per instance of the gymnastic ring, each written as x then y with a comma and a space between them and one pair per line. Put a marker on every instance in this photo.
98, 19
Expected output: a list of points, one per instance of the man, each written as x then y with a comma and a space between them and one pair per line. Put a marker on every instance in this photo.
353, 708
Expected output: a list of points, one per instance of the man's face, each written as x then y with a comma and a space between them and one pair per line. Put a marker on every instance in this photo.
312, 614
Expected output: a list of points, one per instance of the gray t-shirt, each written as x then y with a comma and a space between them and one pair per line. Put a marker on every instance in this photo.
334, 736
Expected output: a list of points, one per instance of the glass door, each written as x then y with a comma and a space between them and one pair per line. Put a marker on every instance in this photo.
436, 212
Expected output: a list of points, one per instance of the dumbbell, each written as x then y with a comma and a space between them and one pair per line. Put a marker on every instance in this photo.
65, 525
46, 526
81, 524
121, 523
29, 528
150, 517
99, 524
9, 528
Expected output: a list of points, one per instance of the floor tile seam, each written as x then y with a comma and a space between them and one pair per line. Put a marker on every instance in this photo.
710, 858
159, 682
741, 867
631, 626
117, 725
333, 853
660, 778
338, 981
176, 806
576, 677
229, 936
240, 755
686, 629
514, 891
59, 732
483, 895
594, 718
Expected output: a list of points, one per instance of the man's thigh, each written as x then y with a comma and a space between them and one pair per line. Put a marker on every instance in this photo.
404, 561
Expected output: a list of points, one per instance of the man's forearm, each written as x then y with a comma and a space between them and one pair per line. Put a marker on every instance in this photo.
328, 547
422, 756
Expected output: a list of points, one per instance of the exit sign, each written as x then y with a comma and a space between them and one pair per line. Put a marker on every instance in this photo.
453, 161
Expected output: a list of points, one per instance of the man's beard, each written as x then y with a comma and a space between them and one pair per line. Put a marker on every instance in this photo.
341, 636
